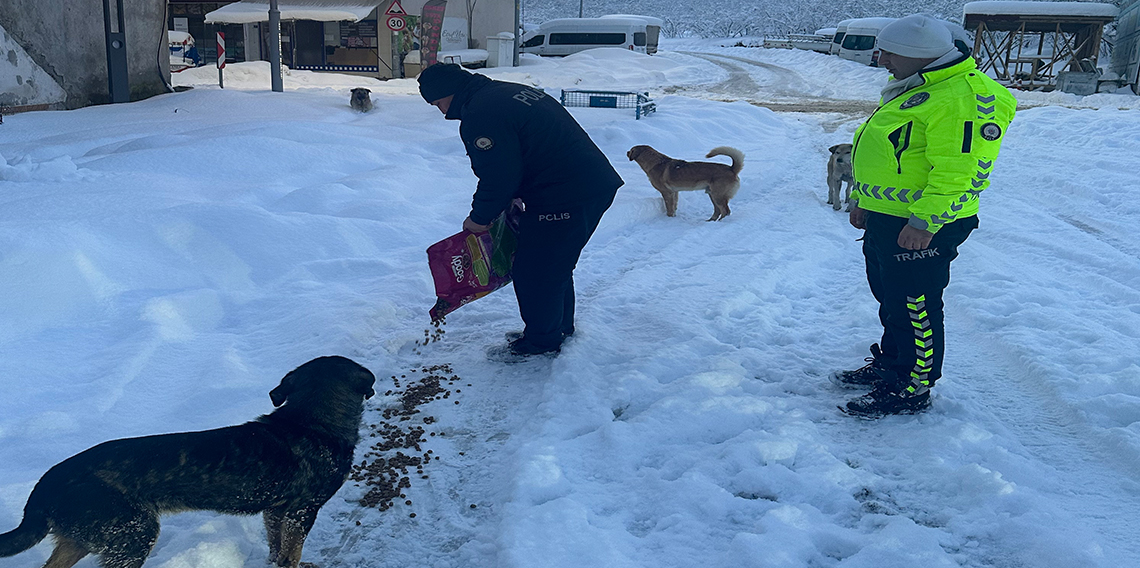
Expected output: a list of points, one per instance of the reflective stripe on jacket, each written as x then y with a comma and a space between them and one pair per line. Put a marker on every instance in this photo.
926, 154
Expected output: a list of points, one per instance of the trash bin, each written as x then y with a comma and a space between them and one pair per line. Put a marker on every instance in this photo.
501, 50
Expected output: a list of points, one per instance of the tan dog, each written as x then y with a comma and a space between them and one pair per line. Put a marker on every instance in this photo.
839, 171
670, 176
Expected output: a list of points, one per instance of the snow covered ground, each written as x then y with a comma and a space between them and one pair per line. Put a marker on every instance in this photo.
163, 263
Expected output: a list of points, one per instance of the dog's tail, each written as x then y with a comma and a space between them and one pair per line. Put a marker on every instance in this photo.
31, 531
736, 155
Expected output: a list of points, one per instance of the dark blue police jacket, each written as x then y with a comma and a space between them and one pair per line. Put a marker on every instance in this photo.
523, 143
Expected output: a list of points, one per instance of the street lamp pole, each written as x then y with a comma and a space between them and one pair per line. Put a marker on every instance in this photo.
580, 8
275, 47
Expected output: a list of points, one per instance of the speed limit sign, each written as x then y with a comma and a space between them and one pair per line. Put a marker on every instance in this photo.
396, 23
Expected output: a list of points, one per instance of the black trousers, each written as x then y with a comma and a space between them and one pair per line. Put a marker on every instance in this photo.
550, 240
908, 285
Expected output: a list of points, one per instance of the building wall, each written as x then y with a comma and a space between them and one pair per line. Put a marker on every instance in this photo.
489, 18
66, 39
22, 82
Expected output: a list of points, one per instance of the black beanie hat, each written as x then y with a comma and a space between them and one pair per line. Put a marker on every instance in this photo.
441, 80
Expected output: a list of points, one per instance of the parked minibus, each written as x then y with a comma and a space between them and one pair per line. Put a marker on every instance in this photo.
565, 36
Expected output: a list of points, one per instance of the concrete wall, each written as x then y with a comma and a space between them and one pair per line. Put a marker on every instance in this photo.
65, 38
489, 18
22, 82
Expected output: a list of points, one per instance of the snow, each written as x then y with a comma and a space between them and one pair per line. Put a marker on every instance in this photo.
462, 55
251, 12
1090, 9
164, 263
177, 37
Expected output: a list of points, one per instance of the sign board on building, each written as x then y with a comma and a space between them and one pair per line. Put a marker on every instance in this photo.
453, 36
358, 34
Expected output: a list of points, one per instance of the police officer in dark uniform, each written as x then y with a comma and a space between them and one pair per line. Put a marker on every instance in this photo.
523, 144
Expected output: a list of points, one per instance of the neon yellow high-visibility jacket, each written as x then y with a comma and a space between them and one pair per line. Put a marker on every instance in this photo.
926, 154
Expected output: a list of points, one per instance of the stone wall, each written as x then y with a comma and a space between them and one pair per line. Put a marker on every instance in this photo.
65, 39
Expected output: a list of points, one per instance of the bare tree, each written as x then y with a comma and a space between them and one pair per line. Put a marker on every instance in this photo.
471, 43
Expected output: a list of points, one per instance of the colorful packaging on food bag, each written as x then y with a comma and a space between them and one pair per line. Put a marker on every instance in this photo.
467, 266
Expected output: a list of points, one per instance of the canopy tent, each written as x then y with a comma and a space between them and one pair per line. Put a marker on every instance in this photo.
1027, 43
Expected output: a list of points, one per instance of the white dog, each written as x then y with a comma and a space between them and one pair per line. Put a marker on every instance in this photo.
839, 171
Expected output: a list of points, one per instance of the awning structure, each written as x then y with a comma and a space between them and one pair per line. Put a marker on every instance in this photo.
1019, 8
1027, 44
252, 11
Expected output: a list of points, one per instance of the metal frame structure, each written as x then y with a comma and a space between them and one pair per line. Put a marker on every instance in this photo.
1004, 45
641, 104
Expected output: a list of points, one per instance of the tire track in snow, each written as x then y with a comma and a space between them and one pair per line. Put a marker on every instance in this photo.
785, 93
1091, 474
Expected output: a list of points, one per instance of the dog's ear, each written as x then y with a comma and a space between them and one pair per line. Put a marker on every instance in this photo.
367, 91
280, 394
832, 149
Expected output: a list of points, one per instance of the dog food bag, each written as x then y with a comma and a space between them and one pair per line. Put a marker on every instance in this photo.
467, 266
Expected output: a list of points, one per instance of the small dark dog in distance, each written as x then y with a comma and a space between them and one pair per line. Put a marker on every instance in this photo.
838, 172
285, 465
361, 100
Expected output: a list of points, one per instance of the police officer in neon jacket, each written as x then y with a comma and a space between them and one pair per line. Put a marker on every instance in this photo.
920, 163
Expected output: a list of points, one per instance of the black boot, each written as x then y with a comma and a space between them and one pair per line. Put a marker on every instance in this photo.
519, 350
513, 336
886, 400
523, 346
868, 376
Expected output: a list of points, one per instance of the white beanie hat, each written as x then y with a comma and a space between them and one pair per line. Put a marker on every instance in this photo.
918, 36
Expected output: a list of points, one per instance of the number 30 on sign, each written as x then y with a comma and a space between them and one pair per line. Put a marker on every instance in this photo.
396, 23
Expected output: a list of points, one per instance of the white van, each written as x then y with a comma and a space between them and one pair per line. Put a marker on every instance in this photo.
565, 36
837, 40
652, 30
859, 42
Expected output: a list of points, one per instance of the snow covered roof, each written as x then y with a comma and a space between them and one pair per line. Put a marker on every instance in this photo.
648, 19
603, 22
251, 11
868, 24
1002, 8
179, 37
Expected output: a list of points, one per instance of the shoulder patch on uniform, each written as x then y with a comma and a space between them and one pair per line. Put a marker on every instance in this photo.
991, 131
484, 143
915, 100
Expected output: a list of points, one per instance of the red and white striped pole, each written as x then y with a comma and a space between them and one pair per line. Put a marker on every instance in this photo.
221, 57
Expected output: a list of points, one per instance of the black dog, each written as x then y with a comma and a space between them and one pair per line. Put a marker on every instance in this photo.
360, 100
286, 464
